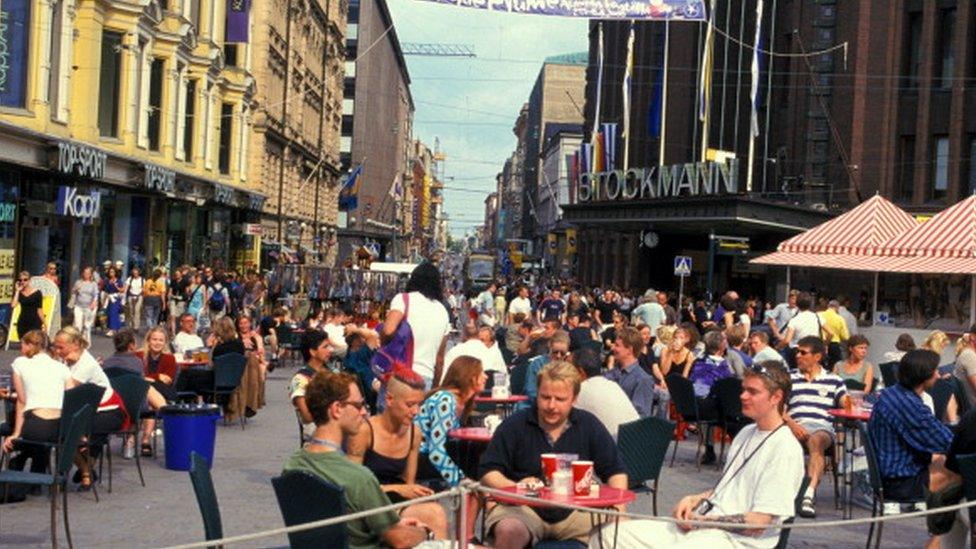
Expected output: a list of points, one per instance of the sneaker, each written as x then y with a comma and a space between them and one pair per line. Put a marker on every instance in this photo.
129, 452
709, 457
892, 508
807, 510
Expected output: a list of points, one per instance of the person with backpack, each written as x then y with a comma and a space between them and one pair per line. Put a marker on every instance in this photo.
133, 298
218, 304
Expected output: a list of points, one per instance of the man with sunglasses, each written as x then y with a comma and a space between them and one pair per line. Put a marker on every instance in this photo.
558, 350
757, 486
339, 411
815, 391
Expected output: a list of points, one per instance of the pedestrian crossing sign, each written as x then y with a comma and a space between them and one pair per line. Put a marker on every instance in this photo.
682, 265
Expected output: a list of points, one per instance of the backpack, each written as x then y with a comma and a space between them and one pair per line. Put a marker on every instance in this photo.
398, 352
217, 300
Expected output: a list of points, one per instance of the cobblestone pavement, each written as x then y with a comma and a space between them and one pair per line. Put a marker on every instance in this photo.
165, 511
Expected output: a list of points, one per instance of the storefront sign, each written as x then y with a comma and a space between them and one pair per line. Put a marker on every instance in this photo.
160, 179
8, 212
255, 202
252, 229
223, 195
82, 160
691, 179
75, 204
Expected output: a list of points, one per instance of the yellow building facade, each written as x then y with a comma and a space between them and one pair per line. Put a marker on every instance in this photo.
124, 134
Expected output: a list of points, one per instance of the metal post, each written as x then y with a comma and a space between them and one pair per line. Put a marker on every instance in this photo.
681, 291
786, 296
711, 265
874, 300
972, 301
462, 518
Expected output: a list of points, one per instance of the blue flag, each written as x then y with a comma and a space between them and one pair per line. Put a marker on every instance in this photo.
349, 194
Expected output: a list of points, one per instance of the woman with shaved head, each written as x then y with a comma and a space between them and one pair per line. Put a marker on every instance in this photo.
389, 447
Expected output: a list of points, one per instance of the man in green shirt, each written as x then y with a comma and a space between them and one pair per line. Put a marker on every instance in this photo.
338, 409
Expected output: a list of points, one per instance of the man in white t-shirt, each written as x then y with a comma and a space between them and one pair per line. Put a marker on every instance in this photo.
600, 396
428, 320
335, 328
471, 346
187, 339
805, 323
485, 305
520, 304
757, 487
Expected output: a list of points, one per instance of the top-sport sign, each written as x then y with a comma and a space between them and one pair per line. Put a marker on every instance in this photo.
659, 10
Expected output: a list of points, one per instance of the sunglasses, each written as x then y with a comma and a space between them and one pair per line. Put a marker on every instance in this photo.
803, 352
357, 405
559, 354
24, 279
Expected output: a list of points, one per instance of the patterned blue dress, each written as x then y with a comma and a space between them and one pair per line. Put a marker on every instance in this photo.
437, 417
114, 307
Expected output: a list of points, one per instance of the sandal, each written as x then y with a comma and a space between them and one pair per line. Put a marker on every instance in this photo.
85, 482
147, 450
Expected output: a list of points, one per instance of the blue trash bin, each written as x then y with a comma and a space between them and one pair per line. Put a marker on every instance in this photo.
189, 428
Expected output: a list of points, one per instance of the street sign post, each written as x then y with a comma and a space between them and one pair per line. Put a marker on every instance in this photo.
682, 268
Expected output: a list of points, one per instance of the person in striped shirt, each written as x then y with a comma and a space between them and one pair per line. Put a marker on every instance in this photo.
815, 391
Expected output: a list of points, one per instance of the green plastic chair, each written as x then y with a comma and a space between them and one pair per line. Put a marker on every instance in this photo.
58, 481
643, 445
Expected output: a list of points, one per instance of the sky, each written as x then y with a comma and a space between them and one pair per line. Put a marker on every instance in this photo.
471, 105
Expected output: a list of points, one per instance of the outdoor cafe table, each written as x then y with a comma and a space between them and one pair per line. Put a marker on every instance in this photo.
848, 421
471, 442
507, 404
605, 498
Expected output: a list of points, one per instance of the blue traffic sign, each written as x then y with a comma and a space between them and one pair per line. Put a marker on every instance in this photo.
682, 265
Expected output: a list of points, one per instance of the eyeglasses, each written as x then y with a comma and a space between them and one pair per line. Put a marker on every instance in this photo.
803, 352
357, 405
559, 354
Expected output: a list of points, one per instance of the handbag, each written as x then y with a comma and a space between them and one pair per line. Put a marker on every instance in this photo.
398, 351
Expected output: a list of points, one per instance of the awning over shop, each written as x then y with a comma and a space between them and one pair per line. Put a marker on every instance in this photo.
949, 234
849, 241
277, 252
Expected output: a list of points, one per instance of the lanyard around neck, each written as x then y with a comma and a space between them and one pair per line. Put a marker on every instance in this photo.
327, 443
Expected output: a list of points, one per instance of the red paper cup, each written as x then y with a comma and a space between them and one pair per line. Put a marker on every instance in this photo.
582, 477
549, 464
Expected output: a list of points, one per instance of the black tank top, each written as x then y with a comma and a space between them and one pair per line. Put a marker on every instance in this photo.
387, 470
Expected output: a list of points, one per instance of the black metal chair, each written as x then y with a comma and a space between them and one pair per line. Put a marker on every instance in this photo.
727, 392
77, 424
302, 437
304, 498
854, 385
643, 445
289, 344
132, 390
516, 383
206, 497
228, 372
683, 396
889, 373
967, 468
877, 487
784, 534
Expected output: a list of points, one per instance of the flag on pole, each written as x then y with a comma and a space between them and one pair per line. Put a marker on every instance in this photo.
656, 112
599, 80
598, 148
587, 158
609, 145
705, 82
349, 194
754, 90
396, 189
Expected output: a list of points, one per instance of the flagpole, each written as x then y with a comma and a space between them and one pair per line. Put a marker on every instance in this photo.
599, 81
628, 86
664, 94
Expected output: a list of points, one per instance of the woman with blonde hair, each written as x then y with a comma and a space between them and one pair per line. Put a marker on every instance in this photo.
446, 409
936, 342
224, 338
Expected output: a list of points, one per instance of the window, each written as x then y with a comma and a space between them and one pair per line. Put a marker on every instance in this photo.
905, 184
940, 172
189, 112
195, 14
109, 93
14, 48
345, 143
226, 131
155, 106
230, 54
352, 31
946, 60
348, 107
913, 48
350, 69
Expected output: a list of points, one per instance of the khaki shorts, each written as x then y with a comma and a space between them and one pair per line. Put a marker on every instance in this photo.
176, 309
577, 525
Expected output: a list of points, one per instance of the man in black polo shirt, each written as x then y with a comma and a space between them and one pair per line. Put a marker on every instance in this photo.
514, 455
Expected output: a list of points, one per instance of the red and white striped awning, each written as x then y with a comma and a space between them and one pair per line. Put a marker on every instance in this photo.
857, 231
885, 264
950, 234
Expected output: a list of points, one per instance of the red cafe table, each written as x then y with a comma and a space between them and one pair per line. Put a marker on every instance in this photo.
604, 498
848, 421
471, 442
507, 404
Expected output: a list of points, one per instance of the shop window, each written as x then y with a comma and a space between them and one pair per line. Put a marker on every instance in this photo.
933, 302
14, 47
913, 48
226, 131
940, 168
189, 116
154, 123
904, 185
109, 94
946, 60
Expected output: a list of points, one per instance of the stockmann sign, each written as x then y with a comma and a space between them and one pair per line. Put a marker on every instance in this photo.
690, 179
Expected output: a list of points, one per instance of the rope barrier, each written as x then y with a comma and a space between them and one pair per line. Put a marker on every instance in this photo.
452, 493
462, 491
